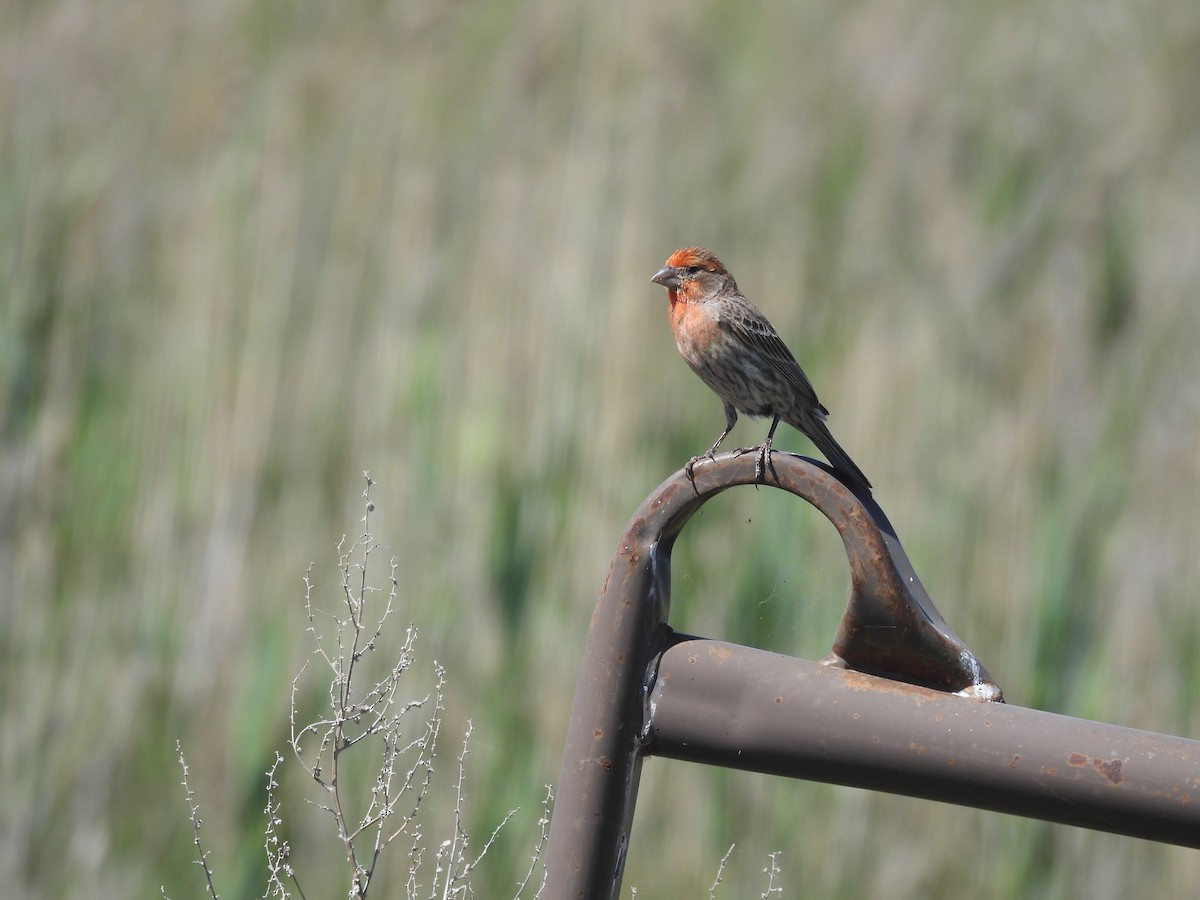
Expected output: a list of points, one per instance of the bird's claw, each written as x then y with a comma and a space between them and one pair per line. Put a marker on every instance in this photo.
690, 469
763, 463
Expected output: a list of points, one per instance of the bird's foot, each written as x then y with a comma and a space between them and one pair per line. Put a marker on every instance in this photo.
690, 469
763, 463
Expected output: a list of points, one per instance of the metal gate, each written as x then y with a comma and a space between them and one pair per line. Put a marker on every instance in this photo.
899, 705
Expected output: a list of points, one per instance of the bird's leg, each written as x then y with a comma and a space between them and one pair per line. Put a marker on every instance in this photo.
730, 421
764, 455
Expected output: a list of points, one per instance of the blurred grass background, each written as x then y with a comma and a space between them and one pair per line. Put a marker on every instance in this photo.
249, 249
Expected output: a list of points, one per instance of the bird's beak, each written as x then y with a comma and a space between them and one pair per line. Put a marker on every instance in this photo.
668, 277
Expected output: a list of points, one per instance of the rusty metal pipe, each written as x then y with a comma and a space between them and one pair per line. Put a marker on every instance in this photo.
602, 754
641, 691
734, 706
601, 761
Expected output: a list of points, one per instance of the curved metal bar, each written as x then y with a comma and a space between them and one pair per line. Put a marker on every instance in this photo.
890, 628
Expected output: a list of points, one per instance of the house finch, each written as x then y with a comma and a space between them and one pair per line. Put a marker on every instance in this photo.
736, 352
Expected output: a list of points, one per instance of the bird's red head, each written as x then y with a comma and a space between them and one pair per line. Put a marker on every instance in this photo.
698, 257
685, 265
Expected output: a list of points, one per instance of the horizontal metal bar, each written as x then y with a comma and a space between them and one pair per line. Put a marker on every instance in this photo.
724, 704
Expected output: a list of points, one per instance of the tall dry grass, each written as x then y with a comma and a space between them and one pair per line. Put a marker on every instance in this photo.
250, 249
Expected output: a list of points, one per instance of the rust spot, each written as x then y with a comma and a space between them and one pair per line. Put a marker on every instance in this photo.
1015, 761
778, 700
597, 733
605, 763
1050, 770
693, 659
855, 717
721, 653
951, 761
620, 657
1110, 769
859, 681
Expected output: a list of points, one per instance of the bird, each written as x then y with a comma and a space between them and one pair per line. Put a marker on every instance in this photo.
730, 344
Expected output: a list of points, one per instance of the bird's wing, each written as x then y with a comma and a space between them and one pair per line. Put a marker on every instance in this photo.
753, 328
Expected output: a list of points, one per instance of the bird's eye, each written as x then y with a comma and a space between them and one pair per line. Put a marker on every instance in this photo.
693, 270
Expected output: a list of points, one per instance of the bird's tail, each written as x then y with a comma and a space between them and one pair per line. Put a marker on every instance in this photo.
851, 474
